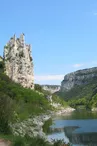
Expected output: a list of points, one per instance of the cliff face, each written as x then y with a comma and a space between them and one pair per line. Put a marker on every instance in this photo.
51, 88
80, 77
18, 62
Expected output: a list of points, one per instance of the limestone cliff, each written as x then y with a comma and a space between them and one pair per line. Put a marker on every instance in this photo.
51, 88
80, 77
18, 61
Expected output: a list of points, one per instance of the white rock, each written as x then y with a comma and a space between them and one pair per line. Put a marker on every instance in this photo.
79, 77
18, 62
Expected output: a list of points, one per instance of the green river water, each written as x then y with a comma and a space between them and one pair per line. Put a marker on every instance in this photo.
79, 128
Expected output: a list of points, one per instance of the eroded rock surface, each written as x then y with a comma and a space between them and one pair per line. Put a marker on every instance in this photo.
51, 88
79, 77
18, 62
31, 127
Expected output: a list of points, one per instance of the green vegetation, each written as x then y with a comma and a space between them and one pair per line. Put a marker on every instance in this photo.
1, 66
55, 98
18, 141
59, 100
17, 104
37, 87
80, 103
26, 101
85, 95
6, 113
6, 47
46, 126
36, 142
28, 141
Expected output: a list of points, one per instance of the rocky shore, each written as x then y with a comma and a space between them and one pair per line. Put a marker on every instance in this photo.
33, 126
64, 111
94, 109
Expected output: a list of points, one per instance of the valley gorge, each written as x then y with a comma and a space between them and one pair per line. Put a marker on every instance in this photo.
80, 77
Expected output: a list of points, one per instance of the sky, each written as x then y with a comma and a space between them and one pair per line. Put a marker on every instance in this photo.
62, 33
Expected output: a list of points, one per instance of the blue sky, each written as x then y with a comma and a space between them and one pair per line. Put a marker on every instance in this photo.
63, 34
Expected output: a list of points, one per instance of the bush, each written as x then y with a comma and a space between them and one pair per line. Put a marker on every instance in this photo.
27, 141
19, 142
46, 126
38, 87
26, 101
1, 66
6, 113
38, 142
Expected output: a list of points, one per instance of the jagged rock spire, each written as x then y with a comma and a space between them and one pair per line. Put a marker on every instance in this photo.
18, 61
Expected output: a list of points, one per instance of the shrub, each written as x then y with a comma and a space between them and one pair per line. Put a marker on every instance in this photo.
19, 141
6, 112
38, 87
1, 66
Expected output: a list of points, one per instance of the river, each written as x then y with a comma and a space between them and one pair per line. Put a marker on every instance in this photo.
79, 128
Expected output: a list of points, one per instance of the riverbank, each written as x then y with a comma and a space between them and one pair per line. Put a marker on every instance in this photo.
33, 127
94, 109
63, 111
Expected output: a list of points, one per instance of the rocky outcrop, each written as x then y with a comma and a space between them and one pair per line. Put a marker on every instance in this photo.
49, 98
31, 127
18, 61
80, 77
51, 88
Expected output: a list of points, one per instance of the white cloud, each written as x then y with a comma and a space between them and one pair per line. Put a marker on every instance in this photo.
95, 13
77, 65
48, 77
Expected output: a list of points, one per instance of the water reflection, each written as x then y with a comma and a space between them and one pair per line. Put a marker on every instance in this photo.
78, 129
85, 139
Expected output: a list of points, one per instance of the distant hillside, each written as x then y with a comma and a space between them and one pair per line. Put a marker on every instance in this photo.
51, 88
80, 87
78, 78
